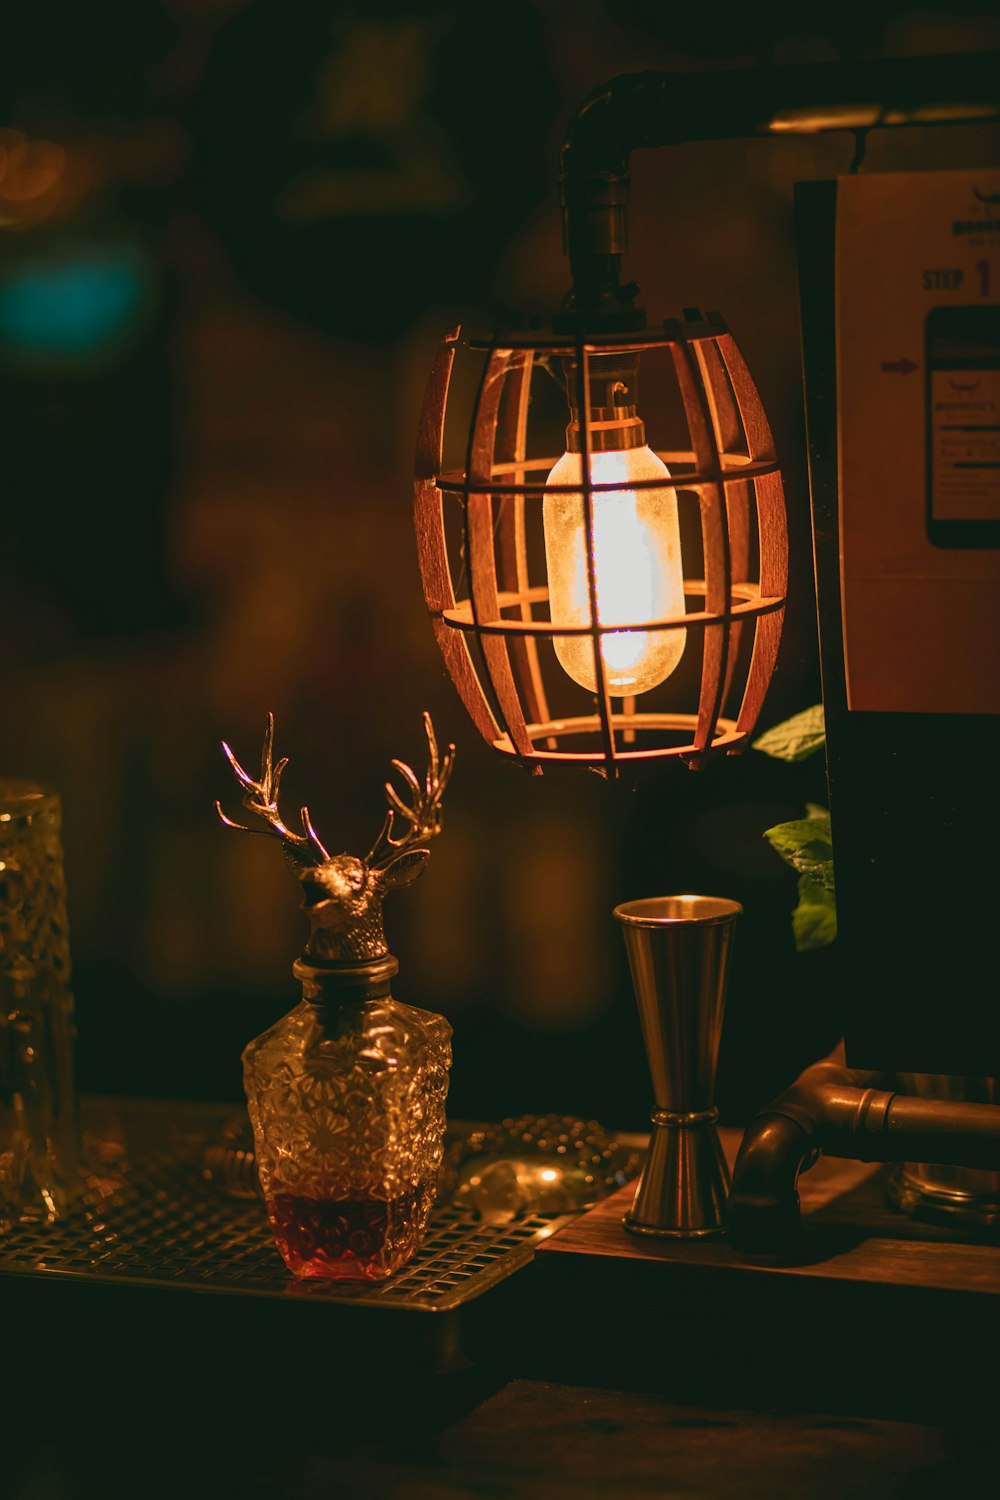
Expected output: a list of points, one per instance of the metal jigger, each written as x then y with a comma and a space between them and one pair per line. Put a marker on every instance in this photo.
678, 950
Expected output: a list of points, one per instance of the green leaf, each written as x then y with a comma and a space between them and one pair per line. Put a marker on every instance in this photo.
814, 920
807, 845
797, 738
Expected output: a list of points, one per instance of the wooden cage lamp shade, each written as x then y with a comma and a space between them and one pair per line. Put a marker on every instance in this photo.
646, 629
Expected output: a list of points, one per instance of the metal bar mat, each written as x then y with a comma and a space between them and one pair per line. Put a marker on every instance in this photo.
150, 1214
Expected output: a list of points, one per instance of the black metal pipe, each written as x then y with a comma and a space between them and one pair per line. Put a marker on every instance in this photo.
659, 109
833, 1110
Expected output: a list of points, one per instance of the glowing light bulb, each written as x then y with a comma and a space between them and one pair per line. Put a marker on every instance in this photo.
637, 568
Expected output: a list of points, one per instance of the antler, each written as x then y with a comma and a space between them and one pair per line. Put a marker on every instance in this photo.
262, 799
423, 817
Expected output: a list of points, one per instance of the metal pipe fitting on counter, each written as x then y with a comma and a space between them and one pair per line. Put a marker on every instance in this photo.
834, 1110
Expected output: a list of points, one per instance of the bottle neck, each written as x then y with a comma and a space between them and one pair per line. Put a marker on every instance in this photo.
343, 986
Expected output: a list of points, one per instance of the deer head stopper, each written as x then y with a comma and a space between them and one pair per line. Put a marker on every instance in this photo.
342, 895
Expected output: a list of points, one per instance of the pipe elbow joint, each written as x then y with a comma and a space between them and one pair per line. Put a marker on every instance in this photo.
764, 1201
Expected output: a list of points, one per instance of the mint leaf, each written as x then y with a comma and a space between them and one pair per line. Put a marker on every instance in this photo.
814, 920
797, 738
807, 845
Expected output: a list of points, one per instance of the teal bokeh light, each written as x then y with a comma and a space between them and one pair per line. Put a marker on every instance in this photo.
74, 308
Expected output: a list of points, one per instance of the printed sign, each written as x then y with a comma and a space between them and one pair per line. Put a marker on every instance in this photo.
918, 370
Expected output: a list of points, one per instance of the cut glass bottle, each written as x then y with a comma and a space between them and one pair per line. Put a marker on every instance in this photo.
347, 1101
347, 1092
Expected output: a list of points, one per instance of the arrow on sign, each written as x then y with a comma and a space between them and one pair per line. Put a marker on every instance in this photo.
898, 366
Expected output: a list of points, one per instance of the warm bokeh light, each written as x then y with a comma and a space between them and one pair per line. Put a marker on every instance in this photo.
31, 178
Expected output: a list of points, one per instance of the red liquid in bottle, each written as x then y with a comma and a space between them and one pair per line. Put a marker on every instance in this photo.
361, 1237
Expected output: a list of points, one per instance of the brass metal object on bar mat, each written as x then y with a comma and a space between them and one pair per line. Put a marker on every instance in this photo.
148, 1215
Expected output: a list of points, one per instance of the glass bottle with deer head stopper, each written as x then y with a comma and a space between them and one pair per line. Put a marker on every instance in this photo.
347, 1092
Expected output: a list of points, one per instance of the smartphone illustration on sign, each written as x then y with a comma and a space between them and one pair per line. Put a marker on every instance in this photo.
963, 426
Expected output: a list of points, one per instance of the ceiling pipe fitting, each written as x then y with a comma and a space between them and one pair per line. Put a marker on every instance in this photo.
661, 109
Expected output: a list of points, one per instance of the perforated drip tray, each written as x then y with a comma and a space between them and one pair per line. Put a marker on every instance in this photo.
149, 1215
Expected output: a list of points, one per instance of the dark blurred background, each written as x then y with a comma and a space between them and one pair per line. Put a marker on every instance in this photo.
231, 233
